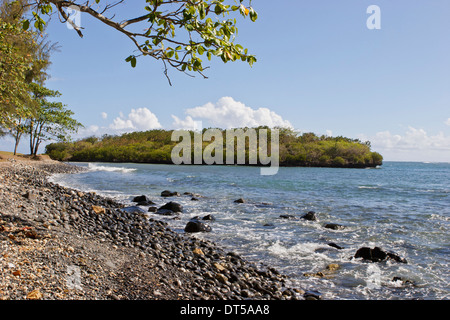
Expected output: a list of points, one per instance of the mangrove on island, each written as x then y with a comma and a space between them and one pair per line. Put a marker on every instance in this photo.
155, 146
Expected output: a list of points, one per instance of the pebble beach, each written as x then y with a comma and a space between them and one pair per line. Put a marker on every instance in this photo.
57, 243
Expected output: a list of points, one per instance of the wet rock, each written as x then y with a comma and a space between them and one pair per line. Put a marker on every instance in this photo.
377, 255
165, 212
240, 200
334, 245
152, 209
145, 203
287, 216
173, 206
312, 295
333, 226
168, 193
209, 217
142, 198
404, 282
197, 226
311, 216
133, 209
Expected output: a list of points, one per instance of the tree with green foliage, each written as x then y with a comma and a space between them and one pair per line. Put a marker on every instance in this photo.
16, 62
51, 121
179, 33
23, 63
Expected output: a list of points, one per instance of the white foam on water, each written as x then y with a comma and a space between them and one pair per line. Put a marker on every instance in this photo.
95, 167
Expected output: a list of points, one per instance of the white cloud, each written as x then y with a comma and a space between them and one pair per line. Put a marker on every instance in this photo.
447, 122
104, 115
413, 145
187, 124
228, 113
140, 119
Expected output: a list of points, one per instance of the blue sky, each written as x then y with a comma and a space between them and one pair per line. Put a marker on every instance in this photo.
320, 69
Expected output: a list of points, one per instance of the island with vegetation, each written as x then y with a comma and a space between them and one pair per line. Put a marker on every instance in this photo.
155, 146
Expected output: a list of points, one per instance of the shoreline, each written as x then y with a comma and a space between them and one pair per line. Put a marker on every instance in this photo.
58, 243
281, 165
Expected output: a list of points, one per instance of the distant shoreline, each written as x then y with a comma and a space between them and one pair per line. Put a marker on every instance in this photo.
237, 165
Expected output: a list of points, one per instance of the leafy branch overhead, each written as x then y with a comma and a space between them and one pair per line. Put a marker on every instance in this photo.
180, 33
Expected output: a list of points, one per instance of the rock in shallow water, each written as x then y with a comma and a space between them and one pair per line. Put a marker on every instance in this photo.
334, 226
168, 193
172, 206
377, 255
197, 226
311, 216
142, 198
133, 209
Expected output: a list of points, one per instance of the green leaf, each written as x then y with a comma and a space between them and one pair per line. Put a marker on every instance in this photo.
169, 54
26, 24
253, 15
218, 9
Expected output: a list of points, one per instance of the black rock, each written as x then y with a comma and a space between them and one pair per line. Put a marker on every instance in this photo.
152, 209
133, 209
334, 226
287, 216
209, 217
145, 203
403, 281
334, 245
197, 226
165, 212
173, 206
167, 193
312, 295
240, 200
311, 216
376, 255
141, 199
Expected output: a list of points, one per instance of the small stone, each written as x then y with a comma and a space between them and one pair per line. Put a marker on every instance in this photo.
222, 278
34, 295
198, 251
219, 266
30, 195
98, 209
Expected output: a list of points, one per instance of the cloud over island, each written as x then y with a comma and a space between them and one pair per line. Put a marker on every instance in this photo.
228, 113
225, 113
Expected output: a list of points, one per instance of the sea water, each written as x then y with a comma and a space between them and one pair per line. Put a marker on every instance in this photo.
402, 207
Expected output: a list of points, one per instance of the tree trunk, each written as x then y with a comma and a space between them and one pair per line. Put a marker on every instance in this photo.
17, 138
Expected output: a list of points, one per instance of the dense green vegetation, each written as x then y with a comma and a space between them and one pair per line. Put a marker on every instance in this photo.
155, 146
27, 107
